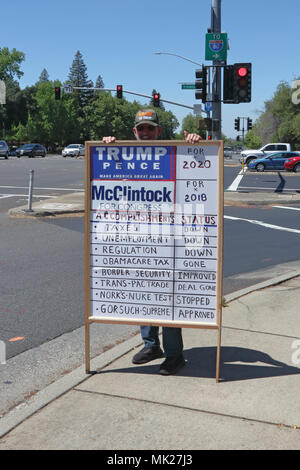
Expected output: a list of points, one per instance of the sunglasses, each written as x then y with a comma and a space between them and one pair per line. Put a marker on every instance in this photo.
145, 128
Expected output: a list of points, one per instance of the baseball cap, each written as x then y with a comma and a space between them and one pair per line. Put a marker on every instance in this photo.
146, 116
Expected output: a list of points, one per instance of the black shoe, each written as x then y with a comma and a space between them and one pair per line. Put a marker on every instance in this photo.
147, 355
171, 365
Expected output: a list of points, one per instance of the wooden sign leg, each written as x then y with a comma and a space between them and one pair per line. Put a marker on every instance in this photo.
218, 354
87, 348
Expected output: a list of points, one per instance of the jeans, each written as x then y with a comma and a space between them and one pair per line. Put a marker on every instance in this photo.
172, 339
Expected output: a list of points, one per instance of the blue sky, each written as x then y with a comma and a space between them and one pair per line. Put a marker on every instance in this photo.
118, 40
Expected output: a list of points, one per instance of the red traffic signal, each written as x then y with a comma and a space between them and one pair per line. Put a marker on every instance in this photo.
57, 92
242, 83
119, 91
156, 100
242, 71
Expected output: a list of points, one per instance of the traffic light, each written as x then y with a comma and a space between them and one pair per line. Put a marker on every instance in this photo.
209, 137
119, 91
249, 124
242, 83
208, 122
57, 92
228, 74
156, 99
216, 125
237, 124
201, 83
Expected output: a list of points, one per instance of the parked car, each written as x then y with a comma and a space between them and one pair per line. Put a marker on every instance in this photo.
228, 152
31, 150
274, 161
12, 151
293, 164
251, 154
3, 149
73, 150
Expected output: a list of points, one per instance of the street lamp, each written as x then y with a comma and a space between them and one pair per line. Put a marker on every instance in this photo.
184, 58
180, 56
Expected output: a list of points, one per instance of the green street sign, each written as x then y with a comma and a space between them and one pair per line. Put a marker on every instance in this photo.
216, 46
188, 86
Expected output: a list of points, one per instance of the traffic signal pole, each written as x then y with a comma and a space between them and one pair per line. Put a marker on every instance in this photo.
216, 78
133, 93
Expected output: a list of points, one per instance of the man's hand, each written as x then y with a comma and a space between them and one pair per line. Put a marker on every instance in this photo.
192, 138
109, 140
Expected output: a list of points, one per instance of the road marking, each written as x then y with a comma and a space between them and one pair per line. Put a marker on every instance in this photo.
3, 196
57, 206
263, 224
17, 338
234, 185
268, 189
290, 208
58, 189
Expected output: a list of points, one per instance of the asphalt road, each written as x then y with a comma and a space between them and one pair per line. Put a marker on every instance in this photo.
53, 175
41, 261
42, 287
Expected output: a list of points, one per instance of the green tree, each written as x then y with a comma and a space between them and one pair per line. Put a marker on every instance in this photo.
280, 119
44, 77
108, 115
53, 122
78, 77
99, 82
193, 124
10, 62
252, 140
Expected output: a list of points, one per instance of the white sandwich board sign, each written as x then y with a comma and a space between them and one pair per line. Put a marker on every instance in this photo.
154, 233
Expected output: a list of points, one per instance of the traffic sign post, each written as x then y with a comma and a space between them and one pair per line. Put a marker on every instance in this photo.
188, 86
216, 46
68, 88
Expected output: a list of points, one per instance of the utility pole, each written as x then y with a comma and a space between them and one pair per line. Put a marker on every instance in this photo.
216, 79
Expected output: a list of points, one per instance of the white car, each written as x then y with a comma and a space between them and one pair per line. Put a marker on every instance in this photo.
73, 150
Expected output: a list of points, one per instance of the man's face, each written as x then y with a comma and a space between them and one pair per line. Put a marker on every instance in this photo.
147, 132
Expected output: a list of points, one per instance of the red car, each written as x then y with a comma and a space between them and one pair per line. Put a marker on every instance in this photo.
293, 164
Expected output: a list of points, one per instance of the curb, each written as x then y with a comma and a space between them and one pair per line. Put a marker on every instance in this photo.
262, 285
50, 393
54, 213
55, 390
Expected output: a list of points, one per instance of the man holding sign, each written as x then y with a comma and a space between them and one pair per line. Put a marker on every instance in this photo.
147, 127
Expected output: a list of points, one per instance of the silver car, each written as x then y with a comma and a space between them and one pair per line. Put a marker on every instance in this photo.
3, 149
73, 150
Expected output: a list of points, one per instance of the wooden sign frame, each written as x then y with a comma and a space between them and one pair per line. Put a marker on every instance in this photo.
194, 149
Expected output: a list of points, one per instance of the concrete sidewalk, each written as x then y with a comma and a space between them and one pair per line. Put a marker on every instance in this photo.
122, 406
